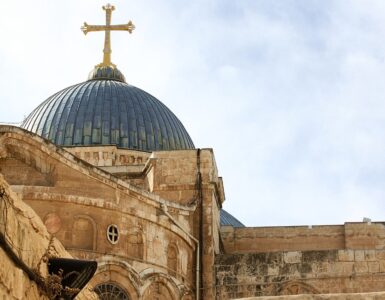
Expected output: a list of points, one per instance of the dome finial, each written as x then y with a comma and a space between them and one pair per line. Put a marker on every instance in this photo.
107, 30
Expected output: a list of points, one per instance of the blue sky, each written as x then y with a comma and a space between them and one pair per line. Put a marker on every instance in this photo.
289, 94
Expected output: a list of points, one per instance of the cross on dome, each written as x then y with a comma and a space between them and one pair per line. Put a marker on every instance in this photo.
107, 31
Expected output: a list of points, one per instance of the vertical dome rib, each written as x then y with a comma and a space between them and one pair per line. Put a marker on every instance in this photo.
115, 116
50, 116
96, 133
64, 124
163, 121
123, 118
108, 112
79, 118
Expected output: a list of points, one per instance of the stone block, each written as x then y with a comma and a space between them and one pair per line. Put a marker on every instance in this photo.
361, 267
292, 257
373, 266
382, 266
343, 268
380, 255
322, 268
345, 255
370, 255
272, 270
359, 255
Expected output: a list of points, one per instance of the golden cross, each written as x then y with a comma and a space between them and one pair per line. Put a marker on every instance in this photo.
107, 29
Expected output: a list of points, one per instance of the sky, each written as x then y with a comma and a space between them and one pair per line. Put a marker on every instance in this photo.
289, 94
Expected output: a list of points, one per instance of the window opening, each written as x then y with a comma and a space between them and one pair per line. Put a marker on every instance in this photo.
112, 234
110, 291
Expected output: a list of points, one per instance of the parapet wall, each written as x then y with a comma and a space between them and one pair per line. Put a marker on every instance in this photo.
271, 239
303, 238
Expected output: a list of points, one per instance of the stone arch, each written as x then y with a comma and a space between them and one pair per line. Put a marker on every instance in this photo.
136, 243
111, 290
159, 287
173, 259
296, 287
84, 232
112, 270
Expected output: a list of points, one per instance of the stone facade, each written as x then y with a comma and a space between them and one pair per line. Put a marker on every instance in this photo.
301, 260
300, 272
347, 296
161, 209
152, 222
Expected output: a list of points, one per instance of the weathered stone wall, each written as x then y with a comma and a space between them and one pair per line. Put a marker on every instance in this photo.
365, 235
301, 259
262, 239
303, 238
108, 156
81, 201
28, 238
306, 272
355, 296
190, 177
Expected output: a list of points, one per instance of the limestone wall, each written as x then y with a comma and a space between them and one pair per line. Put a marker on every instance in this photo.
303, 238
190, 177
28, 238
262, 239
342, 296
297, 272
81, 202
108, 156
78, 202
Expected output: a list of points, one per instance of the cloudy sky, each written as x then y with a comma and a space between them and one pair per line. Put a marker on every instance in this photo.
289, 94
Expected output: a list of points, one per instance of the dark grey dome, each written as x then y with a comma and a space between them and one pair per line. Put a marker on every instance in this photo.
229, 220
108, 112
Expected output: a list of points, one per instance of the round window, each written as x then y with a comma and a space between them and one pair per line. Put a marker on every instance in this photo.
112, 234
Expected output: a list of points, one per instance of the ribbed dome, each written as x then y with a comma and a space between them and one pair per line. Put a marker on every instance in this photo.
108, 112
229, 220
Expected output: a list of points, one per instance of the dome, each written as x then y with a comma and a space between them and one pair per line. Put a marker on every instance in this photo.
107, 111
229, 220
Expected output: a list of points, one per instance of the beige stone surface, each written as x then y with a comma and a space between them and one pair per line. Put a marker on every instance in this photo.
356, 296
30, 241
79, 195
359, 236
294, 272
79, 192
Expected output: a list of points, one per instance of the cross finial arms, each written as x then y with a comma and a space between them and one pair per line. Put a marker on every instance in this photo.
107, 29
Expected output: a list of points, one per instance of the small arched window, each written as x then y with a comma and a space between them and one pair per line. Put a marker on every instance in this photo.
110, 291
